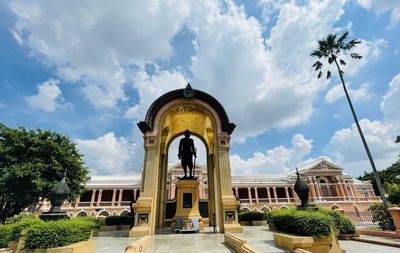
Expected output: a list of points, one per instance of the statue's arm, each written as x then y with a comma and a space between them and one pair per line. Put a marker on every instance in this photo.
193, 148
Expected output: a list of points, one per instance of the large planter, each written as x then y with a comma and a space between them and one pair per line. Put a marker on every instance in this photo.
395, 213
328, 244
258, 223
245, 223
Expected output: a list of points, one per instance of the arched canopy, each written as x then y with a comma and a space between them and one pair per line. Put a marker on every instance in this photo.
187, 93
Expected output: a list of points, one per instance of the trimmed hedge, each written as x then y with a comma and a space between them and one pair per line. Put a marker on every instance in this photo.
60, 233
343, 224
308, 223
12, 232
5, 235
251, 216
120, 220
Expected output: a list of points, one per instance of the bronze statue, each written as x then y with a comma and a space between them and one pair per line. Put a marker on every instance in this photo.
302, 189
185, 153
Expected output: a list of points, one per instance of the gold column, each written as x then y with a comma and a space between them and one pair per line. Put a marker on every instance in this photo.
256, 193
287, 194
275, 195
99, 198
313, 194
113, 197
250, 198
93, 198
269, 196
120, 197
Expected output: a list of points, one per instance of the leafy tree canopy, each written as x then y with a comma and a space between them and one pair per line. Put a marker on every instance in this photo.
390, 178
32, 161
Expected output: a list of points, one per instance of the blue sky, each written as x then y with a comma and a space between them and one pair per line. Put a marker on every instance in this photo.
91, 70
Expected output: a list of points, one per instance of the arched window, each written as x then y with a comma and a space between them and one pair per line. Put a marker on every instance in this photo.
245, 209
82, 214
124, 213
103, 214
265, 209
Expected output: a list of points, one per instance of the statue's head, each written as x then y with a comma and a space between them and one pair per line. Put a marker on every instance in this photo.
187, 133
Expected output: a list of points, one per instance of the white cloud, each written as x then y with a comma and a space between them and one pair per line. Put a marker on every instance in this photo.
350, 153
131, 112
346, 145
276, 160
275, 83
47, 97
337, 92
108, 155
380, 6
2, 105
94, 43
391, 101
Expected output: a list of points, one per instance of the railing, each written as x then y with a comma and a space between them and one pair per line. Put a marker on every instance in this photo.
368, 219
341, 198
83, 204
102, 204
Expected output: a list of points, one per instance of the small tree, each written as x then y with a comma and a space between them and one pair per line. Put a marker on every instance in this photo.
31, 162
331, 49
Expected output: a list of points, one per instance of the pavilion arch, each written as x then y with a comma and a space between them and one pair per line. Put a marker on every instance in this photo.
103, 213
124, 213
245, 209
335, 206
284, 207
167, 118
265, 209
82, 213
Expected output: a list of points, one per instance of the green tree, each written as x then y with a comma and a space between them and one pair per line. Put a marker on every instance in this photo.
390, 178
31, 162
331, 49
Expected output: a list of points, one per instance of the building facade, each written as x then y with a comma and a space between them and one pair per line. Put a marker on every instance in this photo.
329, 187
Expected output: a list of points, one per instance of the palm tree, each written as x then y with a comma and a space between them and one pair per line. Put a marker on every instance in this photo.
331, 49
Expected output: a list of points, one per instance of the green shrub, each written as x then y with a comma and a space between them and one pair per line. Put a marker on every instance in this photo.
20, 217
120, 220
251, 216
5, 235
382, 217
58, 233
343, 224
267, 216
23, 225
309, 223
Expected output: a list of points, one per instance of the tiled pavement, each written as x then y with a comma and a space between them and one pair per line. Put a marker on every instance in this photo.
259, 238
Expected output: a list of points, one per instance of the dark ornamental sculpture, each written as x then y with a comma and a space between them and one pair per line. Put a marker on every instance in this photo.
186, 151
301, 189
57, 196
188, 92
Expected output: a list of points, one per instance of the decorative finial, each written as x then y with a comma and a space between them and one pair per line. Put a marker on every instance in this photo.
188, 92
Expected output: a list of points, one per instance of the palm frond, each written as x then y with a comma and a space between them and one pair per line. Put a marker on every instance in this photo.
317, 65
351, 44
342, 38
355, 56
328, 74
320, 74
316, 53
342, 62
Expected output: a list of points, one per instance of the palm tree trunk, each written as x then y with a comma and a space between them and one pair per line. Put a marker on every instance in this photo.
371, 160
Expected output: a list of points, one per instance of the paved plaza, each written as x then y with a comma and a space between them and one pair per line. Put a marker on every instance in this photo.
259, 238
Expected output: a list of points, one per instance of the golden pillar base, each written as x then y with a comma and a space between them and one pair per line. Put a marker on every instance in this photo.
143, 221
187, 202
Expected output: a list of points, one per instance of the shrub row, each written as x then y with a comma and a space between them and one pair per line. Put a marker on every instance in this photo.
12, 232
252, 216
5, 235
382, 217
58, 233
308, 223
120, 220
342, 224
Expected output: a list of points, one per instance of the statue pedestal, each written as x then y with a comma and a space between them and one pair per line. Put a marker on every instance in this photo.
187, 201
